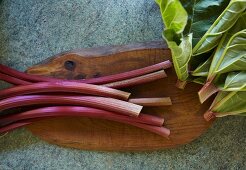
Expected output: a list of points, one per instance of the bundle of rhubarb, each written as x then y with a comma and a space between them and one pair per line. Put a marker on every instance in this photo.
208, 44
44, 97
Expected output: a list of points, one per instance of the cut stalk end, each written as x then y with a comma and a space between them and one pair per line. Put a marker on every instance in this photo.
209, 115
163, 101
207, 91
181, 84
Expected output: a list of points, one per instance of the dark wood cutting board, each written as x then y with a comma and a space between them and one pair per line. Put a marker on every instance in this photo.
184, 118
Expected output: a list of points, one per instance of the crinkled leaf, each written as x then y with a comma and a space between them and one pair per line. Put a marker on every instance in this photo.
223, 23
173, 15
180, 53
201, 15
175, 19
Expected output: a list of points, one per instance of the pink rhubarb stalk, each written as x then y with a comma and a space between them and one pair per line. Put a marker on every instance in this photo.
13, 80
101, 80
162, 101
109, 104
62, 111
69, 87
162, 131
137, 80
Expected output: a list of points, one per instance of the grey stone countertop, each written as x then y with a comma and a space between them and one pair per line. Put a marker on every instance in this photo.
32, 30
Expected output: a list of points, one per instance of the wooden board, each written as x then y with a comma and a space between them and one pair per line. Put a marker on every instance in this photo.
184, 118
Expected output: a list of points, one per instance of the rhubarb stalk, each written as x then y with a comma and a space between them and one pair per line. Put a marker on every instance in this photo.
13, 80
61, 111
109, 104
101, 80
162, 131
163, 101
69, 87
137, 80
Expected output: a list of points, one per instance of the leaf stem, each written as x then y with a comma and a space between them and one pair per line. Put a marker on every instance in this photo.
181, 84
207, 91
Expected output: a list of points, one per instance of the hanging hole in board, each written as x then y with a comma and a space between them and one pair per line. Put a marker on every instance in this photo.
70, 65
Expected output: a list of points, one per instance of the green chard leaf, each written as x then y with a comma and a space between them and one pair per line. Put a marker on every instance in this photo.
203, 68
219, 97
200, 80
173, 15
232, 103
201, 15
229, 56
223, 23
235, 81
181, 53
234, 57
231, 50
210, 114
204, 25
175, 19
227, 103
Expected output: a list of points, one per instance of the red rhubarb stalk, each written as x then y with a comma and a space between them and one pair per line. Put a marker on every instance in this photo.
20, 75
61, 111
69, 87
162, 101
13, 80
101, 80
130, 74
162, 131
138, 80
109, 104
13, 126
118, 84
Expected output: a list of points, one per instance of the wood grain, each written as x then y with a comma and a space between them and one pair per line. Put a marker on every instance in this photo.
184, 118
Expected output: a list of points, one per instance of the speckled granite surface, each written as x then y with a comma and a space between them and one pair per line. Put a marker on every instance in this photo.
32, 30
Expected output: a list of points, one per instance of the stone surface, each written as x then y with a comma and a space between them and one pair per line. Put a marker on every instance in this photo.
32, 30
